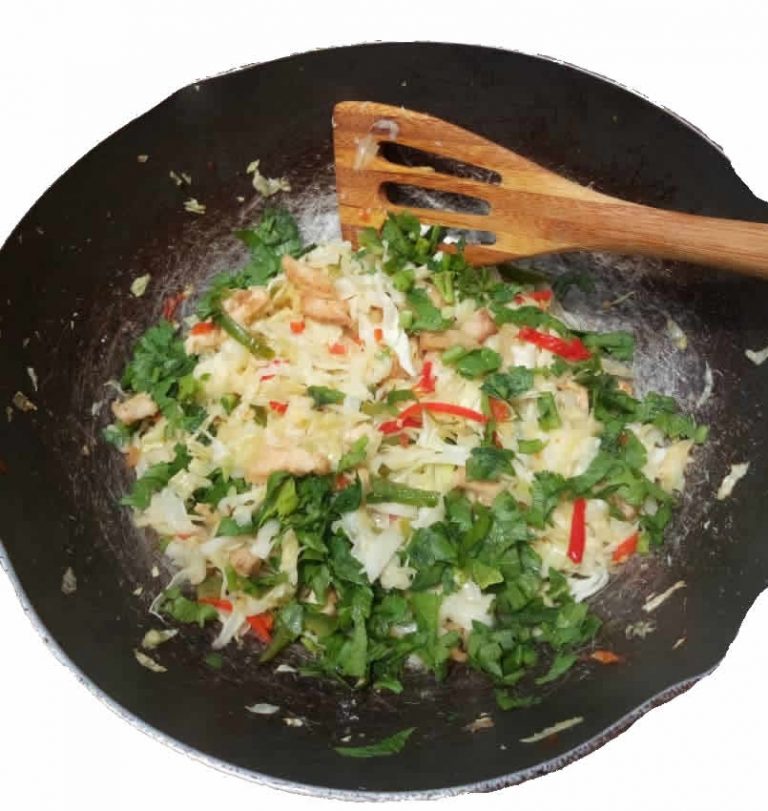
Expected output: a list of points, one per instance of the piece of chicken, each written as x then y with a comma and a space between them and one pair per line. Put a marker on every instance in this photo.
325, 310
308, 280
246, 305
297, 461
132, 456
480, 326
244, 562
135, 408
577, 394
475, 330
318, 297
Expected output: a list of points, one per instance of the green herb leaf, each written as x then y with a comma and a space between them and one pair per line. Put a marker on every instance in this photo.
430, 545
529, 316
228, 527
485, 575
384, 490
181, 609
426, 317
400, 396
349, 499
560, 664
281, 499
354, 456
530, 445
323, 396
436, 647
508, 701
488, 463
474, 362
288, 626
158, 364
155, 479
118, 434
214, 660
259, 415
549, 419
229, 402
508, 385
343, 565
621, 345
546, 491
387, 746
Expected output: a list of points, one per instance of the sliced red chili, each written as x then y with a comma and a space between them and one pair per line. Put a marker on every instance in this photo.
572, 349
171, 304
540, 296
297, 327
393, 426
499, 409
427, 380
578, 537
279, 408
626, 548
203, 328
261, 625
606, 657
222, 605
443, 408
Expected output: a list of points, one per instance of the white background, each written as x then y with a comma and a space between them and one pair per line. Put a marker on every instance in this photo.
74, 72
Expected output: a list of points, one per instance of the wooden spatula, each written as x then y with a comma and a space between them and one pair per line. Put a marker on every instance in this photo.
531, 210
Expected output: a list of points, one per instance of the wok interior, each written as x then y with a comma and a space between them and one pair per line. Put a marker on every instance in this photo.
68, 268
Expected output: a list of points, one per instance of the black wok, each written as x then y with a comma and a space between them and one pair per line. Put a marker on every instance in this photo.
67, 312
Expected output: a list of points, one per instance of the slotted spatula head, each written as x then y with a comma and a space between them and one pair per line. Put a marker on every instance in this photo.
512, 225
519, 207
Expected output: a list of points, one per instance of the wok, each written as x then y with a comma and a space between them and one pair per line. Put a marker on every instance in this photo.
67, 313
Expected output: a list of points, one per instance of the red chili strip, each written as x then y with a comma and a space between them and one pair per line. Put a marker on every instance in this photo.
626, 548
393, 426
261, 625
443, 408
540, 296
427, 380
572, 349
203, 328
499, 410
171, 304
578, 537
222, 605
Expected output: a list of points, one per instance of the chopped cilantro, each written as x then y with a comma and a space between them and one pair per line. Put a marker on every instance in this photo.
324, 396
508, 385
387, 746
155, 479
489, 463
549, 418
354, 456
473, 362
426, 317
177, 606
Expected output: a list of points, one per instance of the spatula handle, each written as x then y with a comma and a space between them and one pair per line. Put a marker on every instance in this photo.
742, 246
